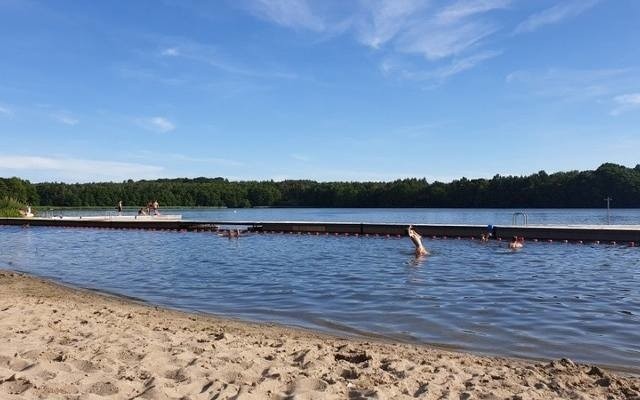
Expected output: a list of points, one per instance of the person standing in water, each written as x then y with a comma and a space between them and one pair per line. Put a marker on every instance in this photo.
416, 239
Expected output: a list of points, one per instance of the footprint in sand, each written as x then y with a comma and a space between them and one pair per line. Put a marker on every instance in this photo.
15, 364
349, 374
353, 357
103, 389
309, 385
360, 394
128, 355
46, 375
84, 365
32, 355
177, 375
13, 385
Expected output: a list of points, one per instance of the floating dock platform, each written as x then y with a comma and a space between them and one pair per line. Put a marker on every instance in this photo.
567, 233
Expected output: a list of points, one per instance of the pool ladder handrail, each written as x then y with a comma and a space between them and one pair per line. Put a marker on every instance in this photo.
525, 218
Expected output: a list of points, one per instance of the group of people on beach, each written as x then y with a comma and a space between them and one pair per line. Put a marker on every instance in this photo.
151, 208
517, 242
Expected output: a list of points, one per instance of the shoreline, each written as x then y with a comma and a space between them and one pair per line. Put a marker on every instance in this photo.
59, 341
336, 334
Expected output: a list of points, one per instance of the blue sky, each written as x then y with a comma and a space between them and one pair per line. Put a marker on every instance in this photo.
315, 89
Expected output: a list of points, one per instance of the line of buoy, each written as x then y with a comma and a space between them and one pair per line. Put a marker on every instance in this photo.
345, 234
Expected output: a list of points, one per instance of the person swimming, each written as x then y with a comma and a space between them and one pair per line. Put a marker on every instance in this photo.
516, 242
417, 241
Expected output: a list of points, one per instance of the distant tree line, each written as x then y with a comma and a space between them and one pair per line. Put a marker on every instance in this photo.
561, 189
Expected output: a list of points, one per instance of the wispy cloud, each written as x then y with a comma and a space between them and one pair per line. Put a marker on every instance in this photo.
6, 111
295, 14
65, 118
156, 124
626, 102
146, 74
300, 157
438, 75
467, 8
189, 50
75, 169
555, 14
380, 21
434, 32
150, 155
170, 52
225, 162
436, 42
574, 84
463, 64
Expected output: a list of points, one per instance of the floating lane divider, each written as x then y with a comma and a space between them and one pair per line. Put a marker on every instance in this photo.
579, 234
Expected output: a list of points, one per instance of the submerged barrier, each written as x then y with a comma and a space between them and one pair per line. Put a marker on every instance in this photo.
629, 234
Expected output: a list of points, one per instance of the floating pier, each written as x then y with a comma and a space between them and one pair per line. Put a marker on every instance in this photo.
560, 233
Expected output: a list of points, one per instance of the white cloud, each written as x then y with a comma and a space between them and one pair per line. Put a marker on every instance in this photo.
440, 74
289, 13
463, 64
157, 124
209, 55
65, 118
436, 42
467, 8
5, 111
170, 52
555, 14
75, 169
384, 19
626, 102
399, 28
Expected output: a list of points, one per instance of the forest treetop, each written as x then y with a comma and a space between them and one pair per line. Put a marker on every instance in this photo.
561, 189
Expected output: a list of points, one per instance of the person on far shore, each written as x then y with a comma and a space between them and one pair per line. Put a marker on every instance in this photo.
417, 242
516, 242
156, 206
119, 207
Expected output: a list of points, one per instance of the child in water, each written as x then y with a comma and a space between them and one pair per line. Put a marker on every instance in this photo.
417, 242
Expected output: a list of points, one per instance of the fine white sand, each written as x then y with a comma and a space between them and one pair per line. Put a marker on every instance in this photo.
63, 343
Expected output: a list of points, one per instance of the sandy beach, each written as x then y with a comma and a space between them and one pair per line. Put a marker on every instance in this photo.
63, 343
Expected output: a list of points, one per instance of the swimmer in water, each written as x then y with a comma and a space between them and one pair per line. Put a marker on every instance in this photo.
484, 237
232, 233
417, 241
516, 242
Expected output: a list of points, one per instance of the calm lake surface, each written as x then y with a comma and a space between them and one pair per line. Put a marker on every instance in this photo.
544, 301
401, 215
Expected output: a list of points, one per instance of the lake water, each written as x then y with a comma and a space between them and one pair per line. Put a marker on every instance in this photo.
400, 215
544, 301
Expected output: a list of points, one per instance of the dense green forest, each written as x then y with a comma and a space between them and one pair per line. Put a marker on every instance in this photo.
561, 189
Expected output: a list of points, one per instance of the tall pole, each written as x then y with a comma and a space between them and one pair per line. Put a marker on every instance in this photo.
608, 200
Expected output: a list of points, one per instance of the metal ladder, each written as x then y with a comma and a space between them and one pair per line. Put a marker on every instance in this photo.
525, 218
